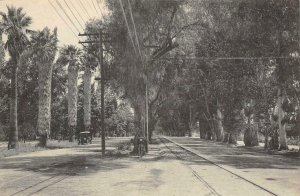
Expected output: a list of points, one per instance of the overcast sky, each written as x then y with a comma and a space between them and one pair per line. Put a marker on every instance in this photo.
43, 14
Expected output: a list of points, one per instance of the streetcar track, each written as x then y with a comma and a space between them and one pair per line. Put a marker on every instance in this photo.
44, 181
48, 185
31, 186
198, 177
215, 164
17, 179
26, 176
43, 187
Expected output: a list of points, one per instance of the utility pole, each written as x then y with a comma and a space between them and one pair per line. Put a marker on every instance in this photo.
147, 116
102, 92
100, 57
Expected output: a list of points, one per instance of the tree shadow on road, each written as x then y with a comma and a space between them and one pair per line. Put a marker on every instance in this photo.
241, 158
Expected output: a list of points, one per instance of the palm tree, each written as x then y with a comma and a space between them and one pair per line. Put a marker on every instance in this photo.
70, 55
13, 24
87, 90
43, 48
87, 97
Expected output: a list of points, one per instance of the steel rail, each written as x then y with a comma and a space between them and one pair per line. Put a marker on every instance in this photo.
227, 170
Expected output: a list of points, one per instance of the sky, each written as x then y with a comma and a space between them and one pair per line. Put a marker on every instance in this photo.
43, 14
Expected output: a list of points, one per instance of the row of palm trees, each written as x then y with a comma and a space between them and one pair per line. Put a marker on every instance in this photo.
41, 48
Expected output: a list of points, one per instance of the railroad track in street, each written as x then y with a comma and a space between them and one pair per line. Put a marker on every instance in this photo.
213, 190
39, 185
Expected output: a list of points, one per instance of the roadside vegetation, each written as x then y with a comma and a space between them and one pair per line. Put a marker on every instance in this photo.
229, 69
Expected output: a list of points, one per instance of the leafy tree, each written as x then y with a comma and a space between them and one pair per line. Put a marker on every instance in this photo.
157, 25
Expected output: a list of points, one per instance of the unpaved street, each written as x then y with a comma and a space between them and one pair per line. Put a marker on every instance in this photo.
82, 171
166, 170
276, 173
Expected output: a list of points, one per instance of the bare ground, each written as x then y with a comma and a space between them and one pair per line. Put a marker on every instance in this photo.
83, 171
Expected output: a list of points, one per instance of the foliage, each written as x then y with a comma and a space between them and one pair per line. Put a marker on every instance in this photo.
13, 24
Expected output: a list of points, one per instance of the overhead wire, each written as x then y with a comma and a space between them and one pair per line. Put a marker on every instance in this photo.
234, 58
95, 7
126, 22
62, 8
89, 16
101, 12
79, 14
91, 6
146, 128
73, 14
134, 28
63, 19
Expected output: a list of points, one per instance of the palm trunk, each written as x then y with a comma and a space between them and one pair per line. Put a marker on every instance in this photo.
72, 100
13, 135
87, 98
282, 133
44, 113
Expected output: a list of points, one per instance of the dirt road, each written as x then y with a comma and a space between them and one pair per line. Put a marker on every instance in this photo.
166, 170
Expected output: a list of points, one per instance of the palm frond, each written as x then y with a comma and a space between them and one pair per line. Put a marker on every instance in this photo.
44, 44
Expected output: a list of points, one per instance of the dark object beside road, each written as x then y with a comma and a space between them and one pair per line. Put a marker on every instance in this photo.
85, 137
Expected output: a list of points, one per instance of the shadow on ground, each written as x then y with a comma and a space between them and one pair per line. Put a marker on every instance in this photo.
81, 160
84, 160
241, 158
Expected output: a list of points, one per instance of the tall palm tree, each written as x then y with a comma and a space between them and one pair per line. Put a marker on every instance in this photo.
87, 89
13, 24
43, 48
71, 55
87, 97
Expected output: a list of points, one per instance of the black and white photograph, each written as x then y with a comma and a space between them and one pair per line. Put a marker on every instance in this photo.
149, 97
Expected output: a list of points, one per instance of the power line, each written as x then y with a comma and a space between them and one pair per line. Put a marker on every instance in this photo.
100, 8
62, 8
136, 37
129, 31
95, 7
83, 20
233, 58
91, 6
85, 9
73, 14
63, 19
146, 83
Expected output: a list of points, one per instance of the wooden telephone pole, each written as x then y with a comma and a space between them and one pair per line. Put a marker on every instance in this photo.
100, 40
